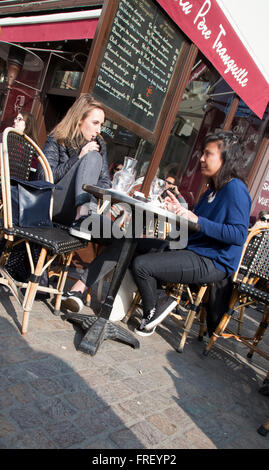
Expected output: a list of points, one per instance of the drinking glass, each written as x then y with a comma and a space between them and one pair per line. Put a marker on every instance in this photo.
124, 178
157, 187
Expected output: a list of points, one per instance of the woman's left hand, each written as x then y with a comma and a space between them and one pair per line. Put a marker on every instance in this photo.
172, 204
89, 147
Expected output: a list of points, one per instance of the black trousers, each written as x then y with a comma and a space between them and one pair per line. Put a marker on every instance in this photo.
107, 260
181, 266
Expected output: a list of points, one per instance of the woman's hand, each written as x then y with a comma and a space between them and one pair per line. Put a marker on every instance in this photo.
171, 204
89, 147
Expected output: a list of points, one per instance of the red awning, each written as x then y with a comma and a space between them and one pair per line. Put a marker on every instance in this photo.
205, 24
58, 31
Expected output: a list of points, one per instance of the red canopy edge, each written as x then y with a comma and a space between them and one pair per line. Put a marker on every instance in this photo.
42, 32
205, 24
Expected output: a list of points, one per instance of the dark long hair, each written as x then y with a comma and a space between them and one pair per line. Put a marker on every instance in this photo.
113, 167
232, 153
30, 126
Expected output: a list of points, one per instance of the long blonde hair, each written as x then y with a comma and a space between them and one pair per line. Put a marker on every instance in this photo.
67, 131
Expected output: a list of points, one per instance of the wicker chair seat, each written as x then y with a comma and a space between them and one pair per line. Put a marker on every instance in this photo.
55, 239
255, 293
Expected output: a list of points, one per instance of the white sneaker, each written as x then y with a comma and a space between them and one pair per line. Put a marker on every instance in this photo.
72, 301
141, 331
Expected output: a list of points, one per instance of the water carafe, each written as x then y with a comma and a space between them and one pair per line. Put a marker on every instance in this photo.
123, 179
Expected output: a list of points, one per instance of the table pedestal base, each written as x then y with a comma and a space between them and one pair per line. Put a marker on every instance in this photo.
97, 330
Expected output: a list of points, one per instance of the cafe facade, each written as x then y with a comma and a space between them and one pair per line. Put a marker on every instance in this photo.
167, 72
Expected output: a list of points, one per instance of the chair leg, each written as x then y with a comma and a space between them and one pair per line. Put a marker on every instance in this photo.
264, 428
222, 324
187, 327
100, 289
31, 290
203, 327
132, 308
88, 297
61, 283
218, 332
241, 317
190, 317
260, 331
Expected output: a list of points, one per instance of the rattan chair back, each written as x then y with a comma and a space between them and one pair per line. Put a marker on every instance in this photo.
260, 262
255, 256
17, 151
20, 154
250, 288
55, 243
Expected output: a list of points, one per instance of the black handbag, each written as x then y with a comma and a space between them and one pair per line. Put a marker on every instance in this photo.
31, 203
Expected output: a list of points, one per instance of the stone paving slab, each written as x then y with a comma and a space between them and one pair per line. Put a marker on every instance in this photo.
53, 396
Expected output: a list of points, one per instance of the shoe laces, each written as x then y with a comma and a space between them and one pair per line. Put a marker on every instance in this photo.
142, 324
150, 315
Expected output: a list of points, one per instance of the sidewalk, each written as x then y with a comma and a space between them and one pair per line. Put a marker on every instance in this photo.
55, 397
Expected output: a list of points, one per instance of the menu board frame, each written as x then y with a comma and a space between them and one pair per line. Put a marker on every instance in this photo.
95, 61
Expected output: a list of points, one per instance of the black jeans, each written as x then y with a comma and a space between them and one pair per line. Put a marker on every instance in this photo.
107, 260
181, 266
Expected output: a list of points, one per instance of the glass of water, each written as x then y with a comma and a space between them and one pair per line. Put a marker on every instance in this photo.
157, 187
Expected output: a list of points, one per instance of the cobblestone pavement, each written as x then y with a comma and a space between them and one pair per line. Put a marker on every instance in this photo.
54, 397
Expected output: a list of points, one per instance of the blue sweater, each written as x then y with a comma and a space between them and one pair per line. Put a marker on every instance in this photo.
224, 225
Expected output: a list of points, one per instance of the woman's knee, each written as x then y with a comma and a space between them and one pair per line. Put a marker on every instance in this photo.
91, 159
139, 266
136, 264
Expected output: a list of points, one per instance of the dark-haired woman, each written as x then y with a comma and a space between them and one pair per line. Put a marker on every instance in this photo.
26, 123
114, 167
213, 253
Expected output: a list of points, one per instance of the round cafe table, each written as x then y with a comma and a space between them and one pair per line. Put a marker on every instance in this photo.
98, 328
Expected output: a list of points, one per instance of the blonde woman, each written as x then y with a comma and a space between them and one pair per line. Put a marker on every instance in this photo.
77, 155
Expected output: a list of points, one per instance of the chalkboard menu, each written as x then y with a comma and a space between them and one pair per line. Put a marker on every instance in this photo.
138, 62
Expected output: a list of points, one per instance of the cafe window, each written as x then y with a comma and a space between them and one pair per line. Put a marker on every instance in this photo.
68, 71
120, 142
204, 106
250, 130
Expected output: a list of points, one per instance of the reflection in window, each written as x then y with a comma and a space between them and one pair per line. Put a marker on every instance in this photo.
203, 108
3, 70
248, 127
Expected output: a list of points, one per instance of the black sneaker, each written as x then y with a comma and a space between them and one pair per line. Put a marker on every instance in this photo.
141, 330
80, 230
163, 309
72, 301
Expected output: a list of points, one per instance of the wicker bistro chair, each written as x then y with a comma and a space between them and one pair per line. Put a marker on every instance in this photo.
250, 286
16, 153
